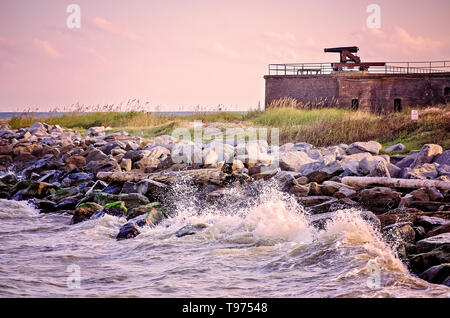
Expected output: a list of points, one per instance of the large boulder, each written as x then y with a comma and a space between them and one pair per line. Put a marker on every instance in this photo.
320, 171
293, 160
443, 158
379, 199
421, 262
127, 231
372, 147
85, 211
436, 274
425, 171
426, 155
430, 243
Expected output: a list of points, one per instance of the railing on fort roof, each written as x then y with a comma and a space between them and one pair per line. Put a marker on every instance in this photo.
389, 68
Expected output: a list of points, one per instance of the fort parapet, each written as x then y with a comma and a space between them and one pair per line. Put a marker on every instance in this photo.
376, 86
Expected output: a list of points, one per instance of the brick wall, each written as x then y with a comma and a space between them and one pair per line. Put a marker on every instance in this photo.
374, 92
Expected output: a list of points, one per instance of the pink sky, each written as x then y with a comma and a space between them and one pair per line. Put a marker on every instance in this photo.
179, 54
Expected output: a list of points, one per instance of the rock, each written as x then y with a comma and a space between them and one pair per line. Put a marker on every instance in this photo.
113, 188
315, 200
446, 282
445, 228
133, 200
430, 222
95, 131
126, 164
265, 172
39, 189
403, 230
74, 179
394, 171
237, 165
430, 243
146, 162
379, 199
372, 147
152, 218
116, 208
429, 206
69, 203
76, 161
352, 162
323, 207
443, 170
44, 205
331, 187
98, 185
151, 188
38, 129
136, 155
9, 179
95, 155
371, 218
396, 147
426, 171
344, 192
368, 163
380, 170
84, 212
190, 229
443, 158
129, 187
398, 215
319, 172
436, 274
127, 231
407, 161
420, 194
293, 160
286, 179
141, 210
314, 189
423, 261
426, 155
299, 190
109, 164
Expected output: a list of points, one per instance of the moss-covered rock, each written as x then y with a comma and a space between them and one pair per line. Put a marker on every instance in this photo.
84, 211
117, 208
141, 210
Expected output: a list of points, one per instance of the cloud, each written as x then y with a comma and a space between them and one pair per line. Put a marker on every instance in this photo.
414, 42
47, 48
115, 29
227, 52
397, 41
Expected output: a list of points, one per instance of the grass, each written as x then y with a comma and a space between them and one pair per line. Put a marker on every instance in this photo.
296, 123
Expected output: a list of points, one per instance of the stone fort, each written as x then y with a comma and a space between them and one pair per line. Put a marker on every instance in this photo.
379, 87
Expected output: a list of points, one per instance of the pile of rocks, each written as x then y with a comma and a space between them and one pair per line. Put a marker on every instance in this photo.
118, 174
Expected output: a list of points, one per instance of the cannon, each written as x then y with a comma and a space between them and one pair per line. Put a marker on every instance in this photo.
349, 59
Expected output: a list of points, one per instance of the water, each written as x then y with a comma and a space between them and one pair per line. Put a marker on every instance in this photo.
5, 116
254, 246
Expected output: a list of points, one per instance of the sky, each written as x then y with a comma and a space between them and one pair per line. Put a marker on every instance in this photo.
177, 54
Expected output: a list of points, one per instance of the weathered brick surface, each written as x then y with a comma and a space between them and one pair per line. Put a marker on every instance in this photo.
375, 92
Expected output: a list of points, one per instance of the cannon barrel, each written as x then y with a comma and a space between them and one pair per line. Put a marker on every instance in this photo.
351, 49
